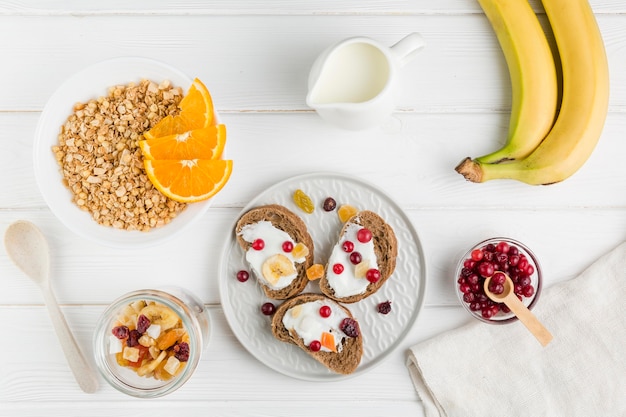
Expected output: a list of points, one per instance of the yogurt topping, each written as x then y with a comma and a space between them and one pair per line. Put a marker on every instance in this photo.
346, 283
306, 321
273, 239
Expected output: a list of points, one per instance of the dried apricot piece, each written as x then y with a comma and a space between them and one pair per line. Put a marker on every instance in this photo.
315, 271
345, 212
303, 201
300, 251
328, 341
168, 338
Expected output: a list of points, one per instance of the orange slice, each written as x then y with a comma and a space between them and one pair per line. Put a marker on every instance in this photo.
188, 180
197, 105
205, 143
196, 112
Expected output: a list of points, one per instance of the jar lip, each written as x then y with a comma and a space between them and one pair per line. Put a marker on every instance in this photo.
538, 271
106, 368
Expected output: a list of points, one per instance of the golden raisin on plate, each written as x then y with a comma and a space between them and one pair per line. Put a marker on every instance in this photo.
303, 201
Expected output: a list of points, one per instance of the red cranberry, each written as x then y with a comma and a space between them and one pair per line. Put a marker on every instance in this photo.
530, 270
364, 235
513, 259
472, 279
469, 263
181, 351
502, 247
242, 276
356, 258
347, 246
287, 246
528, 291
465, 288
315, 346
325, 311
475, 306
513, 251
477, 255
143, 323
522, 264
268, 309
496, 288
133, 338
468, 297
258, 244
486, 312
384, 307
486, 269
498, 278
524, 281
372, 275
121, 332
350, 327
337, 269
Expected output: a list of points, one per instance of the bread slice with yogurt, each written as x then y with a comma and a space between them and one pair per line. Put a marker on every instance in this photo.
279, 273
351, 284
302, 314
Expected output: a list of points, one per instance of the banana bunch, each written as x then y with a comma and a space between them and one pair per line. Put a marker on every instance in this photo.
548, 141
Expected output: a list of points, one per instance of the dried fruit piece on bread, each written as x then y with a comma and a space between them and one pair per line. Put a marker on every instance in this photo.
379, 253
350, 343
274, 267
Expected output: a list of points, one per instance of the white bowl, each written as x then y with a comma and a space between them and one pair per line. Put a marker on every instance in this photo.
91, 83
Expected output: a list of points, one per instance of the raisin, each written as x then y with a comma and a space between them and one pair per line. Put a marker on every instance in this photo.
143, 323
330, 204
303, 201
181, 351
384, 307
121, 332
350, 327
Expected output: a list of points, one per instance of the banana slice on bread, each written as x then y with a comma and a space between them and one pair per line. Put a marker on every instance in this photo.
322, 328
278, 249
362, 260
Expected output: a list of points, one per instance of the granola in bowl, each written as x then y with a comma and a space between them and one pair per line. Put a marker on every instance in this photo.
101, 161
87, 161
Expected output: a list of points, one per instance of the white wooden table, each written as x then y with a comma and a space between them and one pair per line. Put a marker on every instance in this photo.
255, 57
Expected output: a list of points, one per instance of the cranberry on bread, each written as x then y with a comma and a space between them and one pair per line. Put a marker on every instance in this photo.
362, 260
321, 327
278, 249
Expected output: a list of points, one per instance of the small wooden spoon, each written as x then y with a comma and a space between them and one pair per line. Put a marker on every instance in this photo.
27, 247
524, 315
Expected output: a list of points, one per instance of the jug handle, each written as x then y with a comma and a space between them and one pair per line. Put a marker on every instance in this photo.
406, 48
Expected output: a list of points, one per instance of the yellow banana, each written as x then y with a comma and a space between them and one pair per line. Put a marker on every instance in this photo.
584, 105
533, 77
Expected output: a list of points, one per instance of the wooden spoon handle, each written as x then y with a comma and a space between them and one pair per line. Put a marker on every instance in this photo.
529, 320
85, 376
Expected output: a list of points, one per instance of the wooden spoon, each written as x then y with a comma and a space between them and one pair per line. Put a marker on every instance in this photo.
27, 247
524, 315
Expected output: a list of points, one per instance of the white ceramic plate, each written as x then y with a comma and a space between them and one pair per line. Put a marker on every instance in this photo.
381, 333
87, 84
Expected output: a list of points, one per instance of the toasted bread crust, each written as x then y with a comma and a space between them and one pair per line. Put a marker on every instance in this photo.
344, 362
385, 247
287, 221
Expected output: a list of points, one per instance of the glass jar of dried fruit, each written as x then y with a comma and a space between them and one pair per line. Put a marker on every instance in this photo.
148, 343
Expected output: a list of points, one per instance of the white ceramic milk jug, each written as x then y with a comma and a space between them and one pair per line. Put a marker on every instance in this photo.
352, 84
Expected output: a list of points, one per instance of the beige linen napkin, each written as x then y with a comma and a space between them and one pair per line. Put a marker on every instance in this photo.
490, 370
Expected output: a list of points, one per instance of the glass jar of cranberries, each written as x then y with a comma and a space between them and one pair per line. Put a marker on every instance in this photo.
482, 261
